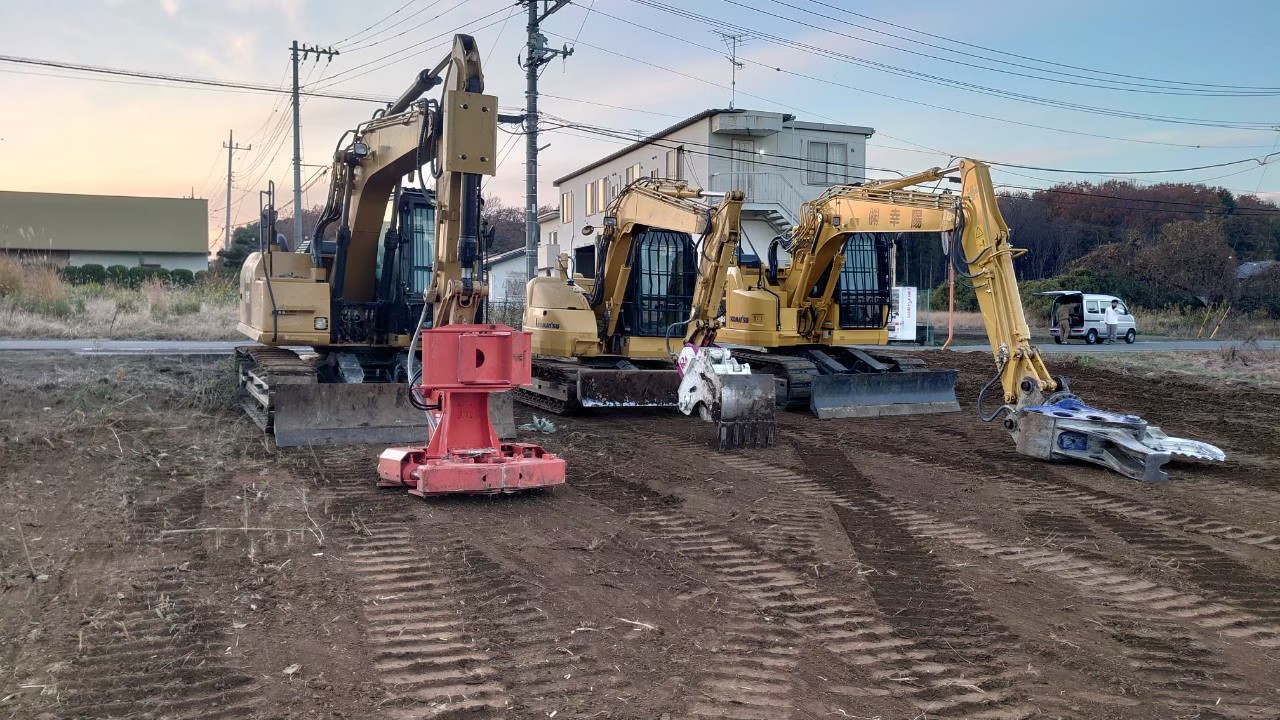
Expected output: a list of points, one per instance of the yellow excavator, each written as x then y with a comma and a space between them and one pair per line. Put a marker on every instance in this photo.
641, 333
1044, 417
819, 323
336, 319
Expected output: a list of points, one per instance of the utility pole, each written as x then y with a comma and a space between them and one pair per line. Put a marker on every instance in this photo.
297, 138
538, 55
733, 40
231, 147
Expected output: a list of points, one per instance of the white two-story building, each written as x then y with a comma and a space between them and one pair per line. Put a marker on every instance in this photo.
777, 160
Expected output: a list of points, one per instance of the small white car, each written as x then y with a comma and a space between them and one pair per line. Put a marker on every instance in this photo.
1088, 317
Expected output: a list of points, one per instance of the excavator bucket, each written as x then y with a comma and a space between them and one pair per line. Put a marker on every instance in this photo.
1072, 430
360, 414
722, 390
876, 394
746, 416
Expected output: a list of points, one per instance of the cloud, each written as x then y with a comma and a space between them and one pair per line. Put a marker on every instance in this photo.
170, 7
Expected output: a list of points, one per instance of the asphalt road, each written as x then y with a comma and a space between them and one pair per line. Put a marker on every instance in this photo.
226, 347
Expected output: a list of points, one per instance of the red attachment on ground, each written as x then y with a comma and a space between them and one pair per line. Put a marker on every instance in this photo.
461, 366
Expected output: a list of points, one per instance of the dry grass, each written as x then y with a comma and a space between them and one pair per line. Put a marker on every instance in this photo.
1244, 363
36, 303
1151, 324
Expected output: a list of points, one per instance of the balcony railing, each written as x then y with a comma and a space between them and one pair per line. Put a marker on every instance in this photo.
761, 188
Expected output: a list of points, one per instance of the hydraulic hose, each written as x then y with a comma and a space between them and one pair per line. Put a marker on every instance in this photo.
1003, 408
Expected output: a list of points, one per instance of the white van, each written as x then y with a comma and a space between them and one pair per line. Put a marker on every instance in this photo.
1088, 317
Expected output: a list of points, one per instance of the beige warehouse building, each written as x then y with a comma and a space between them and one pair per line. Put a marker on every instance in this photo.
108, 230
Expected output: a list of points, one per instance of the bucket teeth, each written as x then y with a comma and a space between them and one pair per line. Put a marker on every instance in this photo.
746, 434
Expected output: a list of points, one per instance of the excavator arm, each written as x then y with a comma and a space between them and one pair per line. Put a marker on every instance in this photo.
1044, 417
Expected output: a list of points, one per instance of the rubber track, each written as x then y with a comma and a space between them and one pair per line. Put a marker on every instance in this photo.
157, 652
858, 635
452, 630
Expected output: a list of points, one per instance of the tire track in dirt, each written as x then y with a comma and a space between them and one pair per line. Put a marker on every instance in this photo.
1137, 597
750, 674
1206, 566
931, 679
158, 651
1180, 670
1052, 484
787, 528
450, 629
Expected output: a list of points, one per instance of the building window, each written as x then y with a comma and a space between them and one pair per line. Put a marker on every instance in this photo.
606, 192
634, 173
590, 208
566, 208
827, 164
675, 163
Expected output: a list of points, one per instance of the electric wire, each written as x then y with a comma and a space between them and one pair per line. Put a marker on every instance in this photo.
944, 81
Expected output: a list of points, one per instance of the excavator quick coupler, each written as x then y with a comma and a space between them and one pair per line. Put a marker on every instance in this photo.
1071, 430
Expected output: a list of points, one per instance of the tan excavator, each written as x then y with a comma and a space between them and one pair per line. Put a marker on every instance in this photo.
641, 333
1040, 411
336, 319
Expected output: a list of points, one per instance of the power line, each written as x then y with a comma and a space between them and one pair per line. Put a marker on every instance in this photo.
381, 20
1138, 87
189, 80
406, 31
945, 81
1025, 57
333, 79
828, 81
1260, 161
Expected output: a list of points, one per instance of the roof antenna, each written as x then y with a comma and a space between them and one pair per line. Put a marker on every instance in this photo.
733, 40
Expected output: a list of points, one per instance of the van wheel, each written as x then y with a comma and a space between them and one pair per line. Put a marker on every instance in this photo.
1057, 339
1130, 336
1091, 337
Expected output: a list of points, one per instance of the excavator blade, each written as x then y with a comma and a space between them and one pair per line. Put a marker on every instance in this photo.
915, 392
599, 387
746, 416
360, 414
1071, 430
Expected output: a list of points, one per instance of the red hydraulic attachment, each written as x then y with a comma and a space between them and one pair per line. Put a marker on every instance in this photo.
461, 366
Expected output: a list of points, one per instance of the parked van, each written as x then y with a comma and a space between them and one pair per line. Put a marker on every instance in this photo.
1088, 317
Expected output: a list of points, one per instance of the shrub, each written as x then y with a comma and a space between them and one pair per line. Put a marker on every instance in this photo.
139, 275
966, 298
71, 274
92, 273
182, 276
200, 275
118, 275
161, 274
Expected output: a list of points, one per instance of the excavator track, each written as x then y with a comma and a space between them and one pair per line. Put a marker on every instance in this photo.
259, 370
796, 373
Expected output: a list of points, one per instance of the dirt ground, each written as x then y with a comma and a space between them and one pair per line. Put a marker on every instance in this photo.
895, 568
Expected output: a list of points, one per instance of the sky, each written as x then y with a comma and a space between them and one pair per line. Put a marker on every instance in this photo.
636, 65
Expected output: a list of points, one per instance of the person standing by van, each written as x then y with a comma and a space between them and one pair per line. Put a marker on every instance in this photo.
1113, 320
